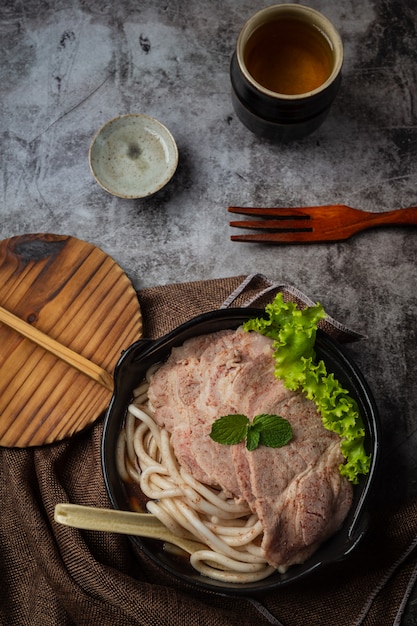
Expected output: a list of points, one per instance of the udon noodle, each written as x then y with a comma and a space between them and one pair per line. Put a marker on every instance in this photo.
230, 532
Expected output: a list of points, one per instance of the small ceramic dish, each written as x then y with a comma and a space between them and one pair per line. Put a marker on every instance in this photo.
131, 369
133, 156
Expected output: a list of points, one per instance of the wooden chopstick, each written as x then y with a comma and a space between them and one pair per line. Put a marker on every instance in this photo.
70, 357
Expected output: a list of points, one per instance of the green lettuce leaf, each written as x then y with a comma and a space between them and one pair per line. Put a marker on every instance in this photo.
294, 332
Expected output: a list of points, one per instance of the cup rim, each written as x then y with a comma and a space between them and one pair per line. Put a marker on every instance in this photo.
298, 11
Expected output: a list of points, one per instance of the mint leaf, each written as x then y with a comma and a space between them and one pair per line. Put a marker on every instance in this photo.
252, 437
275, 430
269, 430
230, 429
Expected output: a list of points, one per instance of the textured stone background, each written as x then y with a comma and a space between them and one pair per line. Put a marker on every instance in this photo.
67, 66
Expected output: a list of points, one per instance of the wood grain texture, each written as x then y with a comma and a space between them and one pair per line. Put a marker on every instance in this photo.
78, 295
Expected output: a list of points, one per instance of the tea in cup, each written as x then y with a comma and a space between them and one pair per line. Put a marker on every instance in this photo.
286, 71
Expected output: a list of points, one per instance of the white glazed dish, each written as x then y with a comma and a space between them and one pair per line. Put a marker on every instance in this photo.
133, 156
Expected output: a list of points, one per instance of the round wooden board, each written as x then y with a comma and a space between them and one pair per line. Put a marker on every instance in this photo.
79, 296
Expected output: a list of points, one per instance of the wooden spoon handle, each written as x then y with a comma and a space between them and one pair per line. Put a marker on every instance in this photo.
124, 522
74, 359
94, 518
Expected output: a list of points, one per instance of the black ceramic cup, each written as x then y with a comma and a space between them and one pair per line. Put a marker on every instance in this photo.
285, 71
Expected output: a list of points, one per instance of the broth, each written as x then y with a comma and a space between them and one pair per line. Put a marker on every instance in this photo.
288, 56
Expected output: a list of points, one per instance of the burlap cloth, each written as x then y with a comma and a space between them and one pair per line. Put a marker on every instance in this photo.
53, 575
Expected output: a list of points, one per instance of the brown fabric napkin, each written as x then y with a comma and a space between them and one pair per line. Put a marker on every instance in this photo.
53, 575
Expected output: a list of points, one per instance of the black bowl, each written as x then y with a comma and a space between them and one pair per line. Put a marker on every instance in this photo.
131, 369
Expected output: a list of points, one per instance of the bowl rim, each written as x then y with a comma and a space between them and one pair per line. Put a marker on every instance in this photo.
164, 132
333, 550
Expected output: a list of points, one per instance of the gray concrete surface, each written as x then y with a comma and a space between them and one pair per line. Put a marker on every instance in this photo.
68, 66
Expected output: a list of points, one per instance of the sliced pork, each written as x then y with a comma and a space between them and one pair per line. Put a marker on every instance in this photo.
297, 490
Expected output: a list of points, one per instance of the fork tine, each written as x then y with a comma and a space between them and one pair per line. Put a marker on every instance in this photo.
280, 226
283, 225
279, 214
277, 237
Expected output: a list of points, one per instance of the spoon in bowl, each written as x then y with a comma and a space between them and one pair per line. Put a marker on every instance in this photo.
125, 522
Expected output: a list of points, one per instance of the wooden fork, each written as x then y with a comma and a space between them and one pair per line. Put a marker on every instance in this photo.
315, 224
